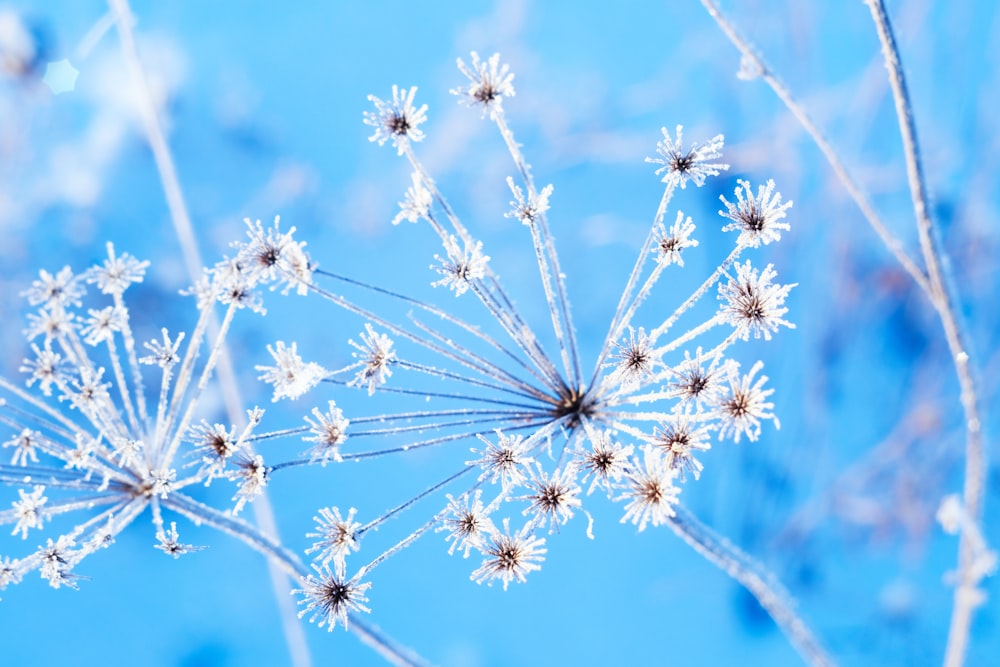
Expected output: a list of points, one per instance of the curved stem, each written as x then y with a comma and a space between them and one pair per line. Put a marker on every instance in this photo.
758, 581
975, 458
853, 189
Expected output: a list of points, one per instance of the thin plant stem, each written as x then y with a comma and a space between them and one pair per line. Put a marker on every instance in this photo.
975, 456
853, 189
295, 637
289, 564
756, 579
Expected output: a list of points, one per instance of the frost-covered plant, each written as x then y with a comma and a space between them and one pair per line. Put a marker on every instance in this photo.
85, 443
541, 426
545, 430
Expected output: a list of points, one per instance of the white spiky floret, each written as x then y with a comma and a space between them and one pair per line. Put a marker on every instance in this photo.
753, 304
756, 217
510, 556
397, 120
649, 490
291, 376
468, 522
330, 597
489, 83
375, 359
328, 432
695, 164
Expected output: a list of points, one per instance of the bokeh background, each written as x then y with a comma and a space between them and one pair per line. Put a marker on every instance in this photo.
263, 101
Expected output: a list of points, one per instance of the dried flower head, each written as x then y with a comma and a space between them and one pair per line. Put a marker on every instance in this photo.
510, 557
695, 164
756, 218
753, 304
397, 121
489, 83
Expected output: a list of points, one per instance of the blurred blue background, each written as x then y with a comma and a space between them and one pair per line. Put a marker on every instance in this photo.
263, 103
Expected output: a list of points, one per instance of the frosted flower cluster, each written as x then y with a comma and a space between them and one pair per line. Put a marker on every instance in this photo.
84, 441
551, 432
545, 432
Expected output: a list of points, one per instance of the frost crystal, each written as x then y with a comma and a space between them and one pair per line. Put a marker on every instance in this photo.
605, 463
745, 404
272, 256
169, 543
753, 304
510, 557
329, 432
669, 243
375, 356
416, 203
336, 536
117, 273
62, 290
650, 490
467, 522
756, 218
291, 376
489, 83
553, 497
397, 120
635, 360
506, 460
527, 210
679, 438
694, 165
461, 267
28, 510
330, 597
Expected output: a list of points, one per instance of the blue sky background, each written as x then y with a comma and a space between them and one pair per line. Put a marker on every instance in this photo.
263, 106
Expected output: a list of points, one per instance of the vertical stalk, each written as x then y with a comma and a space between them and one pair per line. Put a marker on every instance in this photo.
975, 457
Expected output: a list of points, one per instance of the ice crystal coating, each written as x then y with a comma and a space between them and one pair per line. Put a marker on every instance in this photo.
273, 256
330, 597
336, 536
670, 242
489, 83
744, 405
554, 498
168, 541
467, 522
605, 463
62, 290
530, 208
252, 476
650, 490
329, 432
117, 273
753, 304
291, 376
510, 557
398, 120
416, 203
679, 438
28, 510
24, 445
695, 164
695, 384
461, 267
635, 361
375, 357
756, 218
506, 459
